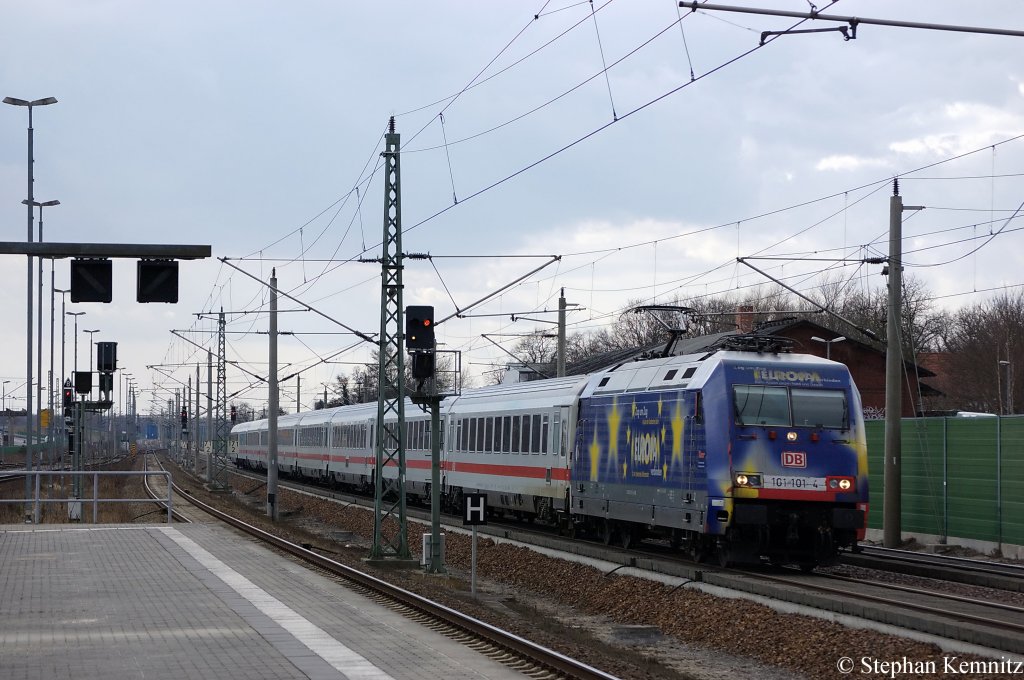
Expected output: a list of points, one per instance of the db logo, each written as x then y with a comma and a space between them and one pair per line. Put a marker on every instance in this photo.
794, 459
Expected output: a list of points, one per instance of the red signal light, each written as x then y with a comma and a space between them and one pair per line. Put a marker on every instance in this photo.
426, 322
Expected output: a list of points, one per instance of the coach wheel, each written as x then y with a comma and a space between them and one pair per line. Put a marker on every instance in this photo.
607, 532
701, 549
628, 537
724, 553
675, 540
808, 567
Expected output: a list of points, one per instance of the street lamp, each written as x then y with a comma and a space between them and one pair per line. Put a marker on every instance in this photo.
63, 326
828, 344
91, 352
76, 315
39, 314
1005, 380
7, 426
13, 101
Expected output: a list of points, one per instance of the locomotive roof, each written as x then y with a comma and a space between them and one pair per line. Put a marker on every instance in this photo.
682, 371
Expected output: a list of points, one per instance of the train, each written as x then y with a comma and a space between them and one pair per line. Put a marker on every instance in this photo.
739, 454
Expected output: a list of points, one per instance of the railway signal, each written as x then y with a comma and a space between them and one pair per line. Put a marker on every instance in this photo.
234, 414
422, 365
419, 328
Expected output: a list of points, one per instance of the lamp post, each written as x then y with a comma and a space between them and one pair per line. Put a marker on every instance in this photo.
76, 315
828, 344
1005, 380
91, 345
39, 322
7, 430
39, 314
63, 326
13, 101
126, 379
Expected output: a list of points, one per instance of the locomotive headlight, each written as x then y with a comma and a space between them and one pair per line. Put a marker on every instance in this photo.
747, 480
840, 483
741, 480
791, 436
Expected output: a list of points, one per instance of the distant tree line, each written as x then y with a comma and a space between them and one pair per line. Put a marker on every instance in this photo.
971, 341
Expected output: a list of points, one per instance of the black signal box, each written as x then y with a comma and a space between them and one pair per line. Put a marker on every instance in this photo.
83, 382
91, 280
106, 357
422, 365
157, 281
419, 327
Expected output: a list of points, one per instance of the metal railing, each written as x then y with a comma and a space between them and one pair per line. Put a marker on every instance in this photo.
75, 503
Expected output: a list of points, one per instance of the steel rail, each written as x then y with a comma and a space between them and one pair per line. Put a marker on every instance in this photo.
927, 609
948, 561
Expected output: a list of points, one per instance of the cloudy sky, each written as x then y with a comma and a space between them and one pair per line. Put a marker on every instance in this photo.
647, 146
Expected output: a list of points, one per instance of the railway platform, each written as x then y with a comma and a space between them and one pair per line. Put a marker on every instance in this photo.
113, 602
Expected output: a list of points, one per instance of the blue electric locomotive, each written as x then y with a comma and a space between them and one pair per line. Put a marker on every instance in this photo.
744, 455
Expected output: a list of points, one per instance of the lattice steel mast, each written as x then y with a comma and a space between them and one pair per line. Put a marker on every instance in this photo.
219, 466
389, 493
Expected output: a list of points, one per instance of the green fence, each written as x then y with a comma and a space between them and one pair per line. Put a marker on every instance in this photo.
962, 477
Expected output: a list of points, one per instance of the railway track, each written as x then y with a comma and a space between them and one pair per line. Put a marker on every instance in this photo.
1001, 575
977, 620
531, 659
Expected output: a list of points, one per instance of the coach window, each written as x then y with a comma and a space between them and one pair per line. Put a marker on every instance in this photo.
479, 434
536, 439
525, 444
497, 434
545, 432
489, 438
516, 427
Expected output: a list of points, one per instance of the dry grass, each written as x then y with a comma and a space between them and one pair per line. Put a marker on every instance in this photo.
60, 488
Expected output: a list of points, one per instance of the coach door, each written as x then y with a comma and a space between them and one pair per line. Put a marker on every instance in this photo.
559, 442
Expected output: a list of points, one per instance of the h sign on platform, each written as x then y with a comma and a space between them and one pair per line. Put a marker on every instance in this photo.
474, 509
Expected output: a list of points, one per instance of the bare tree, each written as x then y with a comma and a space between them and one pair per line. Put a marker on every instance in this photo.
978, 338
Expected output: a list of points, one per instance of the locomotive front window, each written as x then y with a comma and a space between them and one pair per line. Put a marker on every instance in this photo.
761, 405
820, 408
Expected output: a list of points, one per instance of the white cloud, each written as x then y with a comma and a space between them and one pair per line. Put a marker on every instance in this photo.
841, 162
974, 125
